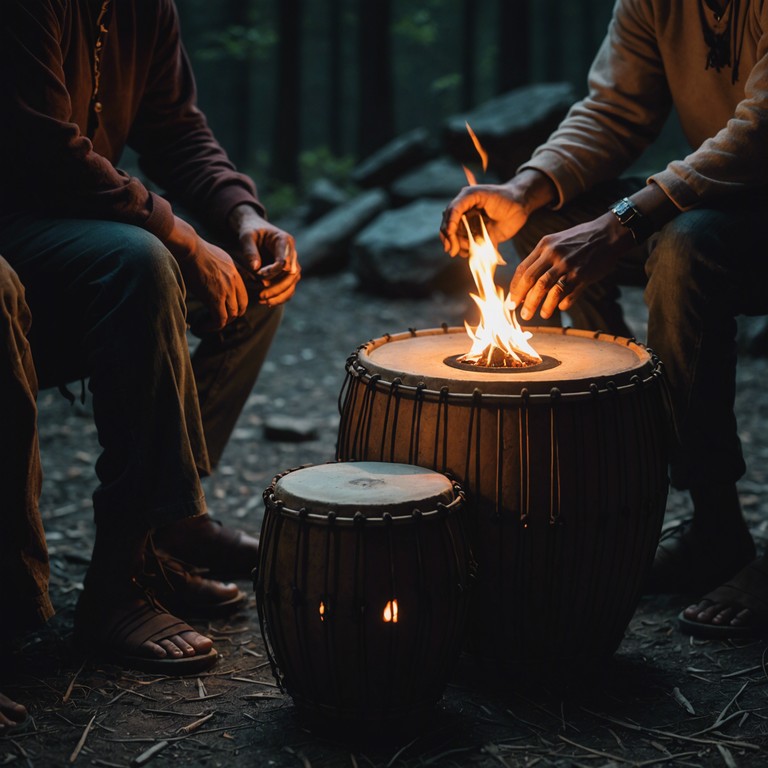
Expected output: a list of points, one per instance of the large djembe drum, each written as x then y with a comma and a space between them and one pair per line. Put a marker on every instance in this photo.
564, 464
362, 589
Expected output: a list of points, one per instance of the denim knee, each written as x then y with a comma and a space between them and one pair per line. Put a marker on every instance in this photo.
141, 275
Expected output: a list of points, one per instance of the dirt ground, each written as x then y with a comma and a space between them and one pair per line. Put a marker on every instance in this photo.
663, 699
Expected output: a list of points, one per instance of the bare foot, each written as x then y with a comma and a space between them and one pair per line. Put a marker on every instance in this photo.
11, 713
737, 608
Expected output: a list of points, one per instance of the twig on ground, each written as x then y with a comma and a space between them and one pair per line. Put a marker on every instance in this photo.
70, 687
150, 753
81, 742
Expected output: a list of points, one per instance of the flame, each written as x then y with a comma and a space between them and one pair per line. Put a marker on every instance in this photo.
498, 335
391, 612
321, 611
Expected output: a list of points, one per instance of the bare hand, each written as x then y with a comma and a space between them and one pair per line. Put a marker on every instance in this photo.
269, 254
209, 274
562, 264
502, 210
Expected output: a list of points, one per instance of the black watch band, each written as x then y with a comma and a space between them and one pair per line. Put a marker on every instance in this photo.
628, 215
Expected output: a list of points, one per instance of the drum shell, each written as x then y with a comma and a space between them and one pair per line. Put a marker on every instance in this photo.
568, 491
350, 664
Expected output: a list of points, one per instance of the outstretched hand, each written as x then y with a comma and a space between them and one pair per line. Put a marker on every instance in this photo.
268, 253
562, 264
209, 274
500, 207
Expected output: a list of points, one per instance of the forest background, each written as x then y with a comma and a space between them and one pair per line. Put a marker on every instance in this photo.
301, 89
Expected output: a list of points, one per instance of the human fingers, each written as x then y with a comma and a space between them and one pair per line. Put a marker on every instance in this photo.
555, 294
286, 259
281, 290
250, 251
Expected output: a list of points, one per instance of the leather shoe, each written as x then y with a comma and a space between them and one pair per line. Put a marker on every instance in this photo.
222, 552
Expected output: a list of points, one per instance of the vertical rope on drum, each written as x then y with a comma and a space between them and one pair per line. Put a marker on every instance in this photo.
554, 458
370, 396
329, 615
393, 440
474, 423
269, 604
359, 605
363, 427
390, 390
621, 442
456, 559
299, 598
352, 434
342, 447
442, 420
525, 457
423, 607
413, 441
395, 609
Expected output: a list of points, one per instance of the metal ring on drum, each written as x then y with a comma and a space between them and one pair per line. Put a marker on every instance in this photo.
564, 464
363, 589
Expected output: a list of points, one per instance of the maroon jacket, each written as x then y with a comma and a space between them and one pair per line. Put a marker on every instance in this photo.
60, 145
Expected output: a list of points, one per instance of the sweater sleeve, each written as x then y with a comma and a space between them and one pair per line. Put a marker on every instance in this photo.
733, 160
626, 106
50, 165
176, 147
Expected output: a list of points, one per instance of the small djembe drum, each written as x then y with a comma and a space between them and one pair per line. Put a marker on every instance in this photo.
564, 464
362, 589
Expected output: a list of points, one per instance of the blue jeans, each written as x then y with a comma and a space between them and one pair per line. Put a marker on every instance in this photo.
107, 302
700, 271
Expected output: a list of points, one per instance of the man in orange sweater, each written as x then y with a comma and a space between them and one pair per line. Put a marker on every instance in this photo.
692, 232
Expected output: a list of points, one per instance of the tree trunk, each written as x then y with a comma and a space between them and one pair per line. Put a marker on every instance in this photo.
468, 53
376, 119
335, 77
286, 144
514, 30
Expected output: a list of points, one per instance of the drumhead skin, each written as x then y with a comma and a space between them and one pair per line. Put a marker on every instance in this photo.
370, 487
576, 359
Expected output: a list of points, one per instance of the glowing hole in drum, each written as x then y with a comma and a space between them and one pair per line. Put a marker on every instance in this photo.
391, 612
321, 611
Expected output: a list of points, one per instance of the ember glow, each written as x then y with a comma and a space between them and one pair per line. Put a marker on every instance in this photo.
391, 612
498, 341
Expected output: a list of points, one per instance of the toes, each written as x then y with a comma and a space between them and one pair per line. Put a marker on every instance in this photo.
199, 643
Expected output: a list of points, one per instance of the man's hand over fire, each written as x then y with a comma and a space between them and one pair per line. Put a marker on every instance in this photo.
562, 264
268, 253
500, 207
209, 274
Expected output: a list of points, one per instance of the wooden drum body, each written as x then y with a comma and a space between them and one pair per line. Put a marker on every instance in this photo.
363, 588
564, 464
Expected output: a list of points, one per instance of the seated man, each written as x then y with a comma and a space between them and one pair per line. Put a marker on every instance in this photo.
694, 231
111, 279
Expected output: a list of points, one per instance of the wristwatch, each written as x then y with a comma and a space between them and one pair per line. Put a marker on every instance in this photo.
628, 215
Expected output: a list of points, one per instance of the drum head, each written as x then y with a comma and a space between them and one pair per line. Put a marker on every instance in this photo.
574, 360
370, 487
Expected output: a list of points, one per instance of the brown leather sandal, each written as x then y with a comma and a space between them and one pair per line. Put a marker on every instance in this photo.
689, 564
184, 591
224, 552
748, 589
117, 634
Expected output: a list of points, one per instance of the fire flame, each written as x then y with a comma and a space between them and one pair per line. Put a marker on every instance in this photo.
498, 340
390, 612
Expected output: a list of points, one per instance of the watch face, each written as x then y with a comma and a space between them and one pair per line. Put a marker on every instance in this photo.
622, 208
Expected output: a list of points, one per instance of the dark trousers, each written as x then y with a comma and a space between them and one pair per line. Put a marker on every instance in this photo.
701, 271
106, 301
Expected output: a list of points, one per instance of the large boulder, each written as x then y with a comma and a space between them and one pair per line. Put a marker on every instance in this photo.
509, 127
323, 246
400, 253
395, 158
441, 178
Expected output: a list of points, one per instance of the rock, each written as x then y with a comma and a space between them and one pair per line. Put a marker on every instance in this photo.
400, 253
322, 197
288, 429
439, 178
393, 159
509, 127
753, 336
323, 246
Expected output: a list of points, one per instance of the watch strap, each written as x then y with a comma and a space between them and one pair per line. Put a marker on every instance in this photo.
631, 218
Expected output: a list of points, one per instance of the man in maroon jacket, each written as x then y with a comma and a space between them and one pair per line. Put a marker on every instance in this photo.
112, 278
